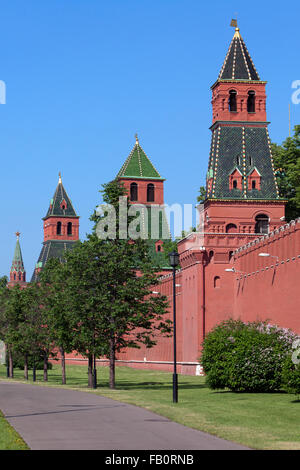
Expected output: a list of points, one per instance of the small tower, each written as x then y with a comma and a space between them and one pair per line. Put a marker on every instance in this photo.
17, 271
61, 228
145, 186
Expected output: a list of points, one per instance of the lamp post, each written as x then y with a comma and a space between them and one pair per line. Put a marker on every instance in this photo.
174, 261
267, 255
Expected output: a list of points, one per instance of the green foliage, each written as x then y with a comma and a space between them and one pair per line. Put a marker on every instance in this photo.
287, 170
291, 376
202, 194
245, 356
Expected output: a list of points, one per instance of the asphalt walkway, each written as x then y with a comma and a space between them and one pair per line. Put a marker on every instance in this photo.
61, 419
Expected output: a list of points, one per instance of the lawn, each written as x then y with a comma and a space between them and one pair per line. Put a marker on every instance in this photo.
9, 438
257, 420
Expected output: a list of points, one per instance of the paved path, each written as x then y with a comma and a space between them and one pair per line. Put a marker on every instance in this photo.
61, 419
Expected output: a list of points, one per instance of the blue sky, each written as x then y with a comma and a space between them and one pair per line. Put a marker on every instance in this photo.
83, 76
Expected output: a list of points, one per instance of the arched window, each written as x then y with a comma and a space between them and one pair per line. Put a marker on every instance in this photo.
262, 224
251, 102
150, 192
58, 228
234, 184
232, 101
231, 228
211, 255
14, 277
253, 184
133, 192
69, 228
217, 282
230, 255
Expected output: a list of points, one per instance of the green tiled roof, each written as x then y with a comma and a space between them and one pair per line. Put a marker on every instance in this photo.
244, 148
138, 165
17, 264
60, 204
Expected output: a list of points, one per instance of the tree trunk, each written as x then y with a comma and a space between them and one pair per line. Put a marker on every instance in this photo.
33, 370
112, 362
63, 366
45, 367
26, 367
90, 371
11, 365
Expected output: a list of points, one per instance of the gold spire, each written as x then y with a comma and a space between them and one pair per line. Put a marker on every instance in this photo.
18, 235
59, 178
136, 139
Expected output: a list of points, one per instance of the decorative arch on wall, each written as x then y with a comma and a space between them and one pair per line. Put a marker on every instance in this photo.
231, 228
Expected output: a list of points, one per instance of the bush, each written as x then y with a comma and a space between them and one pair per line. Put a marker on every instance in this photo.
246, 357
291, 372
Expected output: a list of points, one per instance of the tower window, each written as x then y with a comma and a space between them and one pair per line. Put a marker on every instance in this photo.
69, 228
234, 184
133, 192
253, 184
262, 224
217, 282
231, 228
232, 101
150, 192
58, 228
251, 102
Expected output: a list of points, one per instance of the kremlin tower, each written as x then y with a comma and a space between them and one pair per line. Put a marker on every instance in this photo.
17, 270
61, 228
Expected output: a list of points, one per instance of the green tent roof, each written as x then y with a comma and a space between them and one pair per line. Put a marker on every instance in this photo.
138, 165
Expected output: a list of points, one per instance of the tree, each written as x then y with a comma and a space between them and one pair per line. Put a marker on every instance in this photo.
202, 194
57, 313
287, 170
114, 280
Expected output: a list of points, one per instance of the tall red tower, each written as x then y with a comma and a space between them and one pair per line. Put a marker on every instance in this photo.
242, 194
61, 228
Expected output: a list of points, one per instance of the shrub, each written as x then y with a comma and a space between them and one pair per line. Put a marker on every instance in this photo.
291, 371
245, 356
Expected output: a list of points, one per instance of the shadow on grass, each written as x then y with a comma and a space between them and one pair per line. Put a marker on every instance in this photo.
122, 385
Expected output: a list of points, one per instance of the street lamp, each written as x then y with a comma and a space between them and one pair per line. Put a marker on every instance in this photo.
174, 261
267, 255
233, 270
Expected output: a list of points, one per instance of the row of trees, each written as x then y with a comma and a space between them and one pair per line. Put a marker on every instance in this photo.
98, 301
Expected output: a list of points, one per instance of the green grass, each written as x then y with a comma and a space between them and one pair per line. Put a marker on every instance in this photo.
9, 438
257, 420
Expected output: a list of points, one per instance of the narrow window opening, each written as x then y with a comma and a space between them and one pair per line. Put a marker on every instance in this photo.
262, 224
217, 282
150, 192
253, 184
133, 192
251, 102
234, 184
58, 228
69, 228
232, 101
